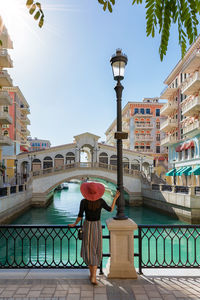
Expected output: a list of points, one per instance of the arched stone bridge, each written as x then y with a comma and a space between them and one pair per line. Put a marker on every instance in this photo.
52, 166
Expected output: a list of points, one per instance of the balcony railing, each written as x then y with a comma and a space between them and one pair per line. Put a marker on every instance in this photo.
5, 79
143, 125
5, 118
168, 108
168, 140
192, 107
192, 84
169, 124
5, 140
192, 63
144, 138
192, 128
5, 60
5, 98
168, 91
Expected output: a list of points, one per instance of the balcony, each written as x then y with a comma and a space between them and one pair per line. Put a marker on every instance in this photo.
169, 124
5, 79
25, 109
5, 60
168, 91
192, 107
193, 63
5, 98
168, 108
5, 118
25, 120
168, 140
5, 140
192, 84
5, 39
145, 150
25, 132
140, 115
192, 129
144, 138
143, 125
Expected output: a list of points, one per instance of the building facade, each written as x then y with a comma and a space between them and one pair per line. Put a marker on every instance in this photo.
142, 122
5, 98
182, 126
38, 144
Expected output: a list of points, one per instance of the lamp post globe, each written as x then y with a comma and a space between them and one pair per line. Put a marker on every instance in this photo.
118, 62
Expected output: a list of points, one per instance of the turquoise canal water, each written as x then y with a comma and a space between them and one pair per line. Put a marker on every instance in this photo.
60, 247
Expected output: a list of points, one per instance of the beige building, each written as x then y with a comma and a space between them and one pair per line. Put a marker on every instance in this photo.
142, 122
182, 126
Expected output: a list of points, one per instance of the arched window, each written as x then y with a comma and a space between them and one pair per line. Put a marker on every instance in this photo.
135, 165
36, 165
113, 160
125, 162
5, 133
103, 158
70, 158
47, 162
58, 161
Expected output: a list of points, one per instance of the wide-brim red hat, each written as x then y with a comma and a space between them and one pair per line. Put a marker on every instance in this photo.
92, 190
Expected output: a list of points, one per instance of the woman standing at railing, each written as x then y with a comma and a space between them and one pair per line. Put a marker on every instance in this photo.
91, 249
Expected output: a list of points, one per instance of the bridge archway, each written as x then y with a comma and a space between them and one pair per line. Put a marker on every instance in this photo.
47, 162
103, 158
36, 165
59, 161
70, 158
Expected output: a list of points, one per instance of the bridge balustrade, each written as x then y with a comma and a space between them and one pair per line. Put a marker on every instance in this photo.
95, 165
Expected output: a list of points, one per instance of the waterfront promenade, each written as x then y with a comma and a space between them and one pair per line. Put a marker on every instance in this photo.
74, 285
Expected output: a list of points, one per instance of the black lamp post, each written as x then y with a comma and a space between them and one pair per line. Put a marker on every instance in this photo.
174, 175
118, 63
16, 161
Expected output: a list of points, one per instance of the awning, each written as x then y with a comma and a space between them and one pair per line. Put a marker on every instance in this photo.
191, 144
178, 148
195, 171
185, 171
23, 149
183, 146
171, 172
179, 171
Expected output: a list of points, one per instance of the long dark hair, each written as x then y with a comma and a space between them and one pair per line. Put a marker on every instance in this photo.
93, 205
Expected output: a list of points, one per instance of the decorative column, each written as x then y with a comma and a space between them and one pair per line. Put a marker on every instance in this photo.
121, 262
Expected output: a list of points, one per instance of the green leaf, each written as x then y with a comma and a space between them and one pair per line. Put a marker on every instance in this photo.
29, 2
1, 44
109, 7
113, 2
101, 1
32, 9
105, 6
37, 15
41, 22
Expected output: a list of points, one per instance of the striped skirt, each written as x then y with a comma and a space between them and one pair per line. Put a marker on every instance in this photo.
91, 248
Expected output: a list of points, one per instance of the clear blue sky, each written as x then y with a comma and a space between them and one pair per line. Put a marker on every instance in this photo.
64, 71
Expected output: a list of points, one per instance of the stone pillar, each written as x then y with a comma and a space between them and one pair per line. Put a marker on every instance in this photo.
121, 263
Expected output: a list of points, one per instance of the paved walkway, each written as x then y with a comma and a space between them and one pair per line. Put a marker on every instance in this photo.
75, 285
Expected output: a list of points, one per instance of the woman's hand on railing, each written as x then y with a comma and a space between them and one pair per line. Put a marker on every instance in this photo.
71, 225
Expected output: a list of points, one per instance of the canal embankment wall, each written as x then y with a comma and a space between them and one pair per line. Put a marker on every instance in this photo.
184, 206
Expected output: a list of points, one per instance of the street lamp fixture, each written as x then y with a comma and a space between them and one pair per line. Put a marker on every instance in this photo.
174, 175
118, 62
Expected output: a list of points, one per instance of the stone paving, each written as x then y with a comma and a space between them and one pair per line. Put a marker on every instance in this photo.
146, 287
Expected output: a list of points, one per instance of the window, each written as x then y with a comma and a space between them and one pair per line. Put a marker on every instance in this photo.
186, 154
158, 137
181, 97
192, 152
181, 77
5, 108
5, 133
148, 111
136, 110
157, 112
157, 149
158, 125
148, 147
142, 111
180, 155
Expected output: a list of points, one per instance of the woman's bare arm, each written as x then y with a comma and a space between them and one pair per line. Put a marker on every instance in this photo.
75, 223
114, 200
